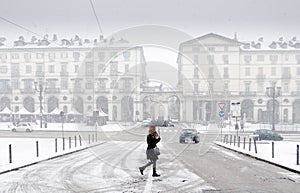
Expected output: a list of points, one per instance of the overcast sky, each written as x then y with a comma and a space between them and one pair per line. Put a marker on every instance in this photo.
249, 18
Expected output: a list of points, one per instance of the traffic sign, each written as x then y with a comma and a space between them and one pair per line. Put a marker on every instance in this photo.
222, 105
221, 113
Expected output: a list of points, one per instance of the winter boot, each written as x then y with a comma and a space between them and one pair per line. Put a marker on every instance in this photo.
141, 170
154, 173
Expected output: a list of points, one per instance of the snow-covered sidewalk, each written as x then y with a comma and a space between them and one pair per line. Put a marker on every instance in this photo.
285, 153
20, 152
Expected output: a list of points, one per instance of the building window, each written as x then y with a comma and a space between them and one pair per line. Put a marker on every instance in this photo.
39, 55
247, 87
3, 69
27, 56
196, 87
28, 85
211, 59
127, 84
101, 56
114, 67
286, 57
76, 68
260, 58
51, 56
225, 59
114, 84
64, 67
89, 84
64, 83
260, 86
102, 84
196, 72
226, 75
64, 55
211, 73
28, 69
89, 68
126, 67
226, 49
196, 59
76, 56
51, 68
88, 55
14, 56
211, 49
126, 55
247, 59
15, 84
298, 59
286, 87
113, 55
247, 72
273, 71
298, 71
101, 68
273, 59
3, 56
298, 86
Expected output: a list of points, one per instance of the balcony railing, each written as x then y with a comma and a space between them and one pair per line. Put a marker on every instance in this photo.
27, 91
295, 93
64, 73
52, 90
260, 77
77, 90
248, 93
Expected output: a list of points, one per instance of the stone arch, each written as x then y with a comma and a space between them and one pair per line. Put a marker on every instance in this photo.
247, 109
28, 104
296, 110
127, 108
78, 104
102, 102
4, 102
52, 103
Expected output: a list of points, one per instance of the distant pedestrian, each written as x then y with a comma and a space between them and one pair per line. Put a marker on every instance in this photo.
152, 139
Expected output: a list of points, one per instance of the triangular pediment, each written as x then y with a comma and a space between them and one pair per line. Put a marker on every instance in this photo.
212, 39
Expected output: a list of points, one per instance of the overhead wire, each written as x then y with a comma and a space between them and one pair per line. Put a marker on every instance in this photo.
98, 22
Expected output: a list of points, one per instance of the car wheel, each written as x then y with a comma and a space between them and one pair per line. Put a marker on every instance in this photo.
27, 130
13, 130
196, 141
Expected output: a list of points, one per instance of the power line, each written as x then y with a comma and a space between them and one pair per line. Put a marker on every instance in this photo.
19, 26
98, 23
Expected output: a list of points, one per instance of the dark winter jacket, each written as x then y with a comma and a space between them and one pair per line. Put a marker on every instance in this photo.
152, 141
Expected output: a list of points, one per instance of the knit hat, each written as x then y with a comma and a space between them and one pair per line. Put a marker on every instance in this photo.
151, 129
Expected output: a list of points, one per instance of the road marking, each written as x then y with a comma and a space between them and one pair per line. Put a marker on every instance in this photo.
148, 186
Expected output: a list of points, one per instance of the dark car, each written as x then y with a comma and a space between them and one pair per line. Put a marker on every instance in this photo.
189, 135
264, 134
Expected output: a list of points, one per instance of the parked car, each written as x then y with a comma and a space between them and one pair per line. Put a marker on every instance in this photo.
189, 135
265, 134
21, 127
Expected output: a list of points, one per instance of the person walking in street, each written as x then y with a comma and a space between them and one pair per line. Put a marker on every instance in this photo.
152, 154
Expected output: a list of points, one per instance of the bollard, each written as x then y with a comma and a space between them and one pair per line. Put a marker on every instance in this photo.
79, 140
37, 148
55, 145
63, 144
10, 154
244, 142
230, 139
234, 140
89, 138
92, 138
250, 144
239, 140
272, 149
297, 154
69, 142
75, 141
255, 148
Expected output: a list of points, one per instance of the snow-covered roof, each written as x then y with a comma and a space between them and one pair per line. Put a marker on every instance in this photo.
76, 42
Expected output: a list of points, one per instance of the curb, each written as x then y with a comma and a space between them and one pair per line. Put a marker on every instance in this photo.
260, 159
24, 166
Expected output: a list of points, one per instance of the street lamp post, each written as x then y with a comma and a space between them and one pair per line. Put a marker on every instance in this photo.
39, 87
273, 92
